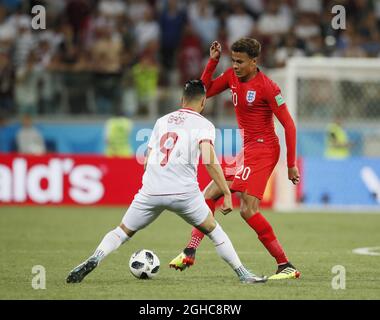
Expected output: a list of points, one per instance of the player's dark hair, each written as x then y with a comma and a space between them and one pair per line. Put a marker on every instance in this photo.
193, 89
248, 45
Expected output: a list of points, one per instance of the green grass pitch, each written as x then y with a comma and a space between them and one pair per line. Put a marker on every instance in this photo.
59, 238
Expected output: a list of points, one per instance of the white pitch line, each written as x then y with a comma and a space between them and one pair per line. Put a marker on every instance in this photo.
367, 251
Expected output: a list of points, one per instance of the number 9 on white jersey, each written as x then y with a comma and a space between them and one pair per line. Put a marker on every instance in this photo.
174, 152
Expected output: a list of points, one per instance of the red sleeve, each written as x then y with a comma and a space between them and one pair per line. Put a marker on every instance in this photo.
280, 109
218, 85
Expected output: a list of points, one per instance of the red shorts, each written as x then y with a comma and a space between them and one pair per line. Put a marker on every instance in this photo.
252, 173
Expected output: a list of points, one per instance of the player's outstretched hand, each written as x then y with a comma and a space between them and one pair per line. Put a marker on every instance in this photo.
293, 175
215, 50
226, 208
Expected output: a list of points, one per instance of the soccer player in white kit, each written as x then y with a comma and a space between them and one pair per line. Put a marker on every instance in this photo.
170, 183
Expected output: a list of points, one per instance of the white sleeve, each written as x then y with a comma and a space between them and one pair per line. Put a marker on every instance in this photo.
207, 133
154, 136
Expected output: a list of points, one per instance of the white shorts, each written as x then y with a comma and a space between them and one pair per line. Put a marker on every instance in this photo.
146, 208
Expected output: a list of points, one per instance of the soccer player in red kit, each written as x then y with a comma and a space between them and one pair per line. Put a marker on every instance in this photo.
255, 98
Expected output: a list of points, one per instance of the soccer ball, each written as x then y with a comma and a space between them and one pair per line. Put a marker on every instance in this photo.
144, 264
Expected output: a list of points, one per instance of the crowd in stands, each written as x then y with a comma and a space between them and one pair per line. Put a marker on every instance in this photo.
112, 56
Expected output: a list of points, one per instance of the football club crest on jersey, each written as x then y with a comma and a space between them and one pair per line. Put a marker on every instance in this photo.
251, 95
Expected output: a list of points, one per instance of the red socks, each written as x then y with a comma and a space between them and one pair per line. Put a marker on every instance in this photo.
258, 223
266, 235
196, 238
196, 235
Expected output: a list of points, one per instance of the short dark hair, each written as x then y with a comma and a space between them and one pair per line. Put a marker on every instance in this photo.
193, 89
248, 45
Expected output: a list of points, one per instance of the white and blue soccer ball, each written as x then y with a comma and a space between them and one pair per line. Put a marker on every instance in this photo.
144, 264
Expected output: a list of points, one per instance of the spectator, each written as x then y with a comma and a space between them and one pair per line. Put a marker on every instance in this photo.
225, 59
199, 8
129, 100
254, 7
172, 21
345, 38
78, 14
125, 28
26, 88
309, 6
47, 83
54, 9
145, 77
203, 21
316, 46
372, 46
276, 19
239, 24
28, 138
129, 103
106, 51
112, 8
354, 47
25, 41
359, 9
337, 143
19, 19
106, 65
72, 62
136, 10
66, 53
7, 30
190, 62
7, 77
117, 135
287, 50
147, 30
369, 30
306, 27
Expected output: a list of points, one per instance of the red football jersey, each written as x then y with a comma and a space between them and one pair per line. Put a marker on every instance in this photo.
255, 102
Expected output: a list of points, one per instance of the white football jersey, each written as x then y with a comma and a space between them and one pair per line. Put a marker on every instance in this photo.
174, 156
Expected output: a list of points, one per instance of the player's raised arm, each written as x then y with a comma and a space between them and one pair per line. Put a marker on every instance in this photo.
220, 84
210, 160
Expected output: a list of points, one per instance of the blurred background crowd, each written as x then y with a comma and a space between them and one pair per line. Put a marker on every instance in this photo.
103, 57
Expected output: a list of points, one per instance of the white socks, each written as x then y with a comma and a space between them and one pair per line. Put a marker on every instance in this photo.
224, 247
116, 237
111, 241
